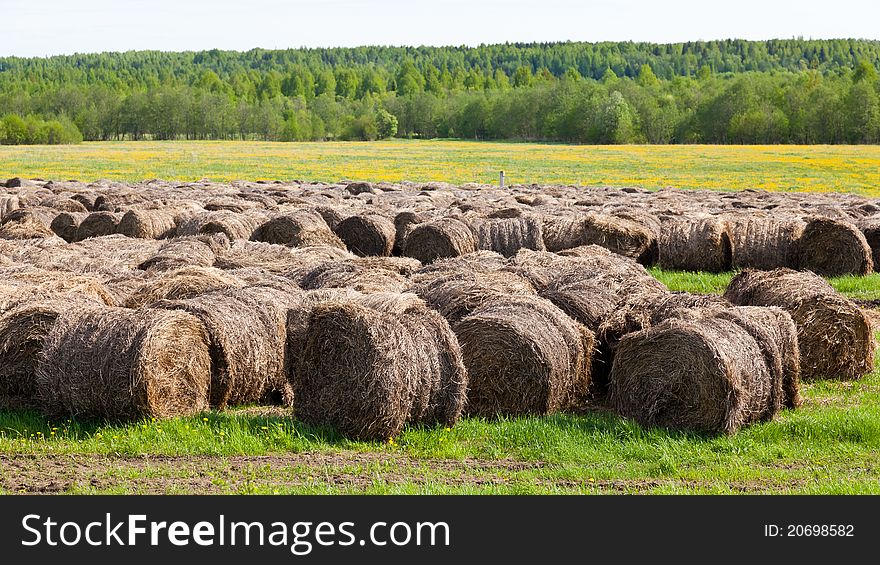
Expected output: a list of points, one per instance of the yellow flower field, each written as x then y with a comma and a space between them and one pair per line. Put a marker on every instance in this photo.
781, 167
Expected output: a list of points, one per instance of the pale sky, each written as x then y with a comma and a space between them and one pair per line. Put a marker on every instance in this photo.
48, 27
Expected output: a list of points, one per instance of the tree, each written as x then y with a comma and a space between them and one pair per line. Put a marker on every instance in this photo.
647, 78
386, 124
522, 77
866, 72
616, 120
14, 130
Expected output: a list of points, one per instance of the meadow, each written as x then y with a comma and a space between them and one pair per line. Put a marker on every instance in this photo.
830, 445
725, 167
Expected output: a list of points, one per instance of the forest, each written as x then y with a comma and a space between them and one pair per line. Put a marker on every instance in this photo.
725, 92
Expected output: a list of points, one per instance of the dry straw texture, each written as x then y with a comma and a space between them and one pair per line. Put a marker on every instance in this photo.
695, 243
763, 242
65, 224
707, 374
186, 282
524, 356
835, 337
121, 364
441, 238
832, 248
148, 224
508, 235
297, 229
369, 368
367, 235
97, 224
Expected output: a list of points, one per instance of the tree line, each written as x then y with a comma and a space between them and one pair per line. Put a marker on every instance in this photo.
785, 91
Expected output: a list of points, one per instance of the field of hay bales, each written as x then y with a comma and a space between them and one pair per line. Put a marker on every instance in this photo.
281, 336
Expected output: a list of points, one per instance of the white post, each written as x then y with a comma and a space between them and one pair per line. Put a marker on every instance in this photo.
501, 179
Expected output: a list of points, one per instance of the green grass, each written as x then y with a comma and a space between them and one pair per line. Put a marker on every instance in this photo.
830, 445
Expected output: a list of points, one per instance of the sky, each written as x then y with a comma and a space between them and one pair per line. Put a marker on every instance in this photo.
50, 27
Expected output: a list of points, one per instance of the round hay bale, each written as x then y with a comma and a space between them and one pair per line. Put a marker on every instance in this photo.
356, 188
707, 375
117, 200
178, 252
148, 224
97, 224
65, 224
25, 229
870, 227
122, 364
616, 234
8, 204
179, 284
255, 254
367, 235
475, 261
776, 335
372, 364
832, 248
64, 205
404, 221
22, 332
247, 335
24, 284
332, 216
441, 238
509, 235
697, 243
505, 213
835, 337
524, 356
298, 229
236, 226
87, 199
763, 242
356, 277
456, 294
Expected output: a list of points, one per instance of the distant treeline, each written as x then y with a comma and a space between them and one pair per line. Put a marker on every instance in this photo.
781, 91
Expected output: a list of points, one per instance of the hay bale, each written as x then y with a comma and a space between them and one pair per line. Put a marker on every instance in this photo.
97, 224
179, 284
404, 221
25, 229
833, 247
254, 254
247, 335
475, 261
616, 234
64, 205
189, 251
835, 337
121, 364
22, 333
368, 370
441, 238
351, 275
524, 356
8, 204
508, 235
117, 200
297, 229
148, 224
707, 375
65, 225
356, 188
367, 235
456, 294
696, 243
332, 216
236, 226
23, 284
763, 242
776, 335
870, 227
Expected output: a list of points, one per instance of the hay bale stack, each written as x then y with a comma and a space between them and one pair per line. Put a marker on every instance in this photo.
367, 235
835, 337
22, 333
179, 284
832, 248
404, 221
524, 356
189, 251
508, 235
456, 294
696, 243
370, 366
65, 225
360, 278
297, 229
148, 224
247, 335
441, 238
763, 242
122, 364
706, 375
616, 234
97, 224
236, 226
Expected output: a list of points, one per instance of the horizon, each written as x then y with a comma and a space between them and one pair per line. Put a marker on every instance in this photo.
46, 28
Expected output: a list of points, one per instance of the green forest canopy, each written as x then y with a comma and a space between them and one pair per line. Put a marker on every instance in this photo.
779, 91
